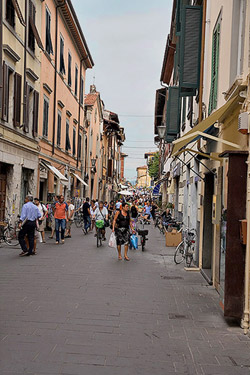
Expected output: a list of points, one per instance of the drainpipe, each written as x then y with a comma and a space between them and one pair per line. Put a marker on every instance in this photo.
24, 65
245, 323
200, 113
55, 79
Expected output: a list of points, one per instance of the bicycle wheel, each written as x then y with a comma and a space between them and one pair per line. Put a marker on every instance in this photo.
189, 257
11, 236
179, 253
78, 221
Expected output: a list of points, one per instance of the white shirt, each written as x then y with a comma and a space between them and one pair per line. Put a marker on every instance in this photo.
101, 215
71, 208
42, 209
118, 205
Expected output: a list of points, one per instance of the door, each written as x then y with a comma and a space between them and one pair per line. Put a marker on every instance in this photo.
3, 179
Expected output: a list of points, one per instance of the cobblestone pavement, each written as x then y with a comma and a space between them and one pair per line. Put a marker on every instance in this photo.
74, 309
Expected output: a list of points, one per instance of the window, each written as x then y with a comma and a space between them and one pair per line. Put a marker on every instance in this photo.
6, 91
76, 79
35, 113
59, 124
45, 116
81, 91
74, 141
80, 146
32, 18
69, 69
67, 142
214, 68
49, 48
10, 13
62, 65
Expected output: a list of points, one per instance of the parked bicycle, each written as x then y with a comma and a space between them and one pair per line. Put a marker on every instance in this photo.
9, 233
185, 249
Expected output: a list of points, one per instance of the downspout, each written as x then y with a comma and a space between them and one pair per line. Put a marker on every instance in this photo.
24, 66
55, 79
78, 131
245, 323
200, 112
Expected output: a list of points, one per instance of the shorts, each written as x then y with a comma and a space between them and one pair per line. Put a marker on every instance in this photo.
42, 225
68, 224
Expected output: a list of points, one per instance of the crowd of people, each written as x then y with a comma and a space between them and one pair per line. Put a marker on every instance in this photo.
120, 215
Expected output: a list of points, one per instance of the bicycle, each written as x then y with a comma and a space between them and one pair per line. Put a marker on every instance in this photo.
185, 249
99, 232
8, 233
78, 219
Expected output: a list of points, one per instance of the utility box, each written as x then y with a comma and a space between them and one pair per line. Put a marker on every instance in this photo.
173, 238
243, 231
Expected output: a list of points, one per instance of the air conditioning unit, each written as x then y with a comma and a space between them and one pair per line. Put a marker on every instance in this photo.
244, 122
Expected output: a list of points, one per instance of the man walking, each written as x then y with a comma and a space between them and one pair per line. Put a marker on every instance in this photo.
29, 215
86, 215
61, 216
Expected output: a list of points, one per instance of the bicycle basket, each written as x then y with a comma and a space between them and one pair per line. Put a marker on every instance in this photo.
99, 224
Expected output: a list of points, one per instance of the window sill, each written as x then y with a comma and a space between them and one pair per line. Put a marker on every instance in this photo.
48, 56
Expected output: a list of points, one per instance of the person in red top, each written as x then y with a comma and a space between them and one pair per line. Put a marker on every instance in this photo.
61, 216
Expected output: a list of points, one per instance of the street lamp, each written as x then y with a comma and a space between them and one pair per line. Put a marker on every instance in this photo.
93, 161
161, 131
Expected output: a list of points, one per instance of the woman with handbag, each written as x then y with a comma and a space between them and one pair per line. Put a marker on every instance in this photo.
121, 224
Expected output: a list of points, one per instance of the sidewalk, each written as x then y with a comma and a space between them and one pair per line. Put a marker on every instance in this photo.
74, 309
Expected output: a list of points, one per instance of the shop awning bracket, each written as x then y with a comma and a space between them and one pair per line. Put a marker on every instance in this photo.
192, 169
204, 165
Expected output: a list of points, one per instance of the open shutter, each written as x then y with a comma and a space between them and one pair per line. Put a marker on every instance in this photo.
214, 70
173, 112
62, 66
35, 114
191, 23
17, 99
32, 19
18, 12
26, 108
5, 92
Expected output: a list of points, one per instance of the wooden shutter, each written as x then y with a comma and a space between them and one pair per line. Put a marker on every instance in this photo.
190, 52
26, 108
18, 12
214, 69
110, 168
32, 19
5, 92
173, 111
35, 114
17, 99
62, 66
59, 121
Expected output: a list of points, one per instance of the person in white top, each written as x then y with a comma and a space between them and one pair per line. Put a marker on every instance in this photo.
42, 220
101, 213
92, 213
71, 209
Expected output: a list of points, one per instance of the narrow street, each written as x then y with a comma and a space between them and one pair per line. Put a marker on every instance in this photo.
75, 309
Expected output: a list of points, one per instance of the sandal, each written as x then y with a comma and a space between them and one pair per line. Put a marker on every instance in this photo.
120, 257
127, 259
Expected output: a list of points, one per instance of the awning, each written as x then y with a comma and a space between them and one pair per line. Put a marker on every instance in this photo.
156, 189
56, 172
203, 127
80, 179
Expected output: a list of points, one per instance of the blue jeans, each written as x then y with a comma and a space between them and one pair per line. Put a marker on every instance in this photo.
87, 222
60, 223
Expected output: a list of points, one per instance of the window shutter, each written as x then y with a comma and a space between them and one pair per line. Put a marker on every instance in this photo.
76, 80
62, 66
173, 111
45, 117
214, 69
35, 113
190, 39
26, 108
79, 146
110, 168
59, 121
5, 92
49, 47
17, 99
74, 142
69, 70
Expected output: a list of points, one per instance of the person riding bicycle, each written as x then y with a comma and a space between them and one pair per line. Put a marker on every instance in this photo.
86, 215
101, 214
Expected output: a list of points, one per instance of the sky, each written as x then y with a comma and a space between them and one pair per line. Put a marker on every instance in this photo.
127, 41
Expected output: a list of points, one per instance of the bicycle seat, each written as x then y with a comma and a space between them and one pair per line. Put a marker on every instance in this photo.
142, 232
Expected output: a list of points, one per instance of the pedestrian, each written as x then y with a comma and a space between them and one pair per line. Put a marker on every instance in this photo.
101, 213
121, 224
29, 215
52, 217
118, 205
42, 221
92, 213
86, 216
71, 209
111, 208
61, 216
96, 203
134, 214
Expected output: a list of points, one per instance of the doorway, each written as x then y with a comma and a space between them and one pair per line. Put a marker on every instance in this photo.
208, 227
3, 181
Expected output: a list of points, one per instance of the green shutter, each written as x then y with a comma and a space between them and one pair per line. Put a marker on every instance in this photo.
191, 30
173, 112
214, 69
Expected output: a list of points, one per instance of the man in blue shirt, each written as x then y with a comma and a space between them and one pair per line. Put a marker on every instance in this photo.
29, 215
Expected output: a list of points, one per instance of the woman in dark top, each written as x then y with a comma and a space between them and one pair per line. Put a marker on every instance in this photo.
121, 225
